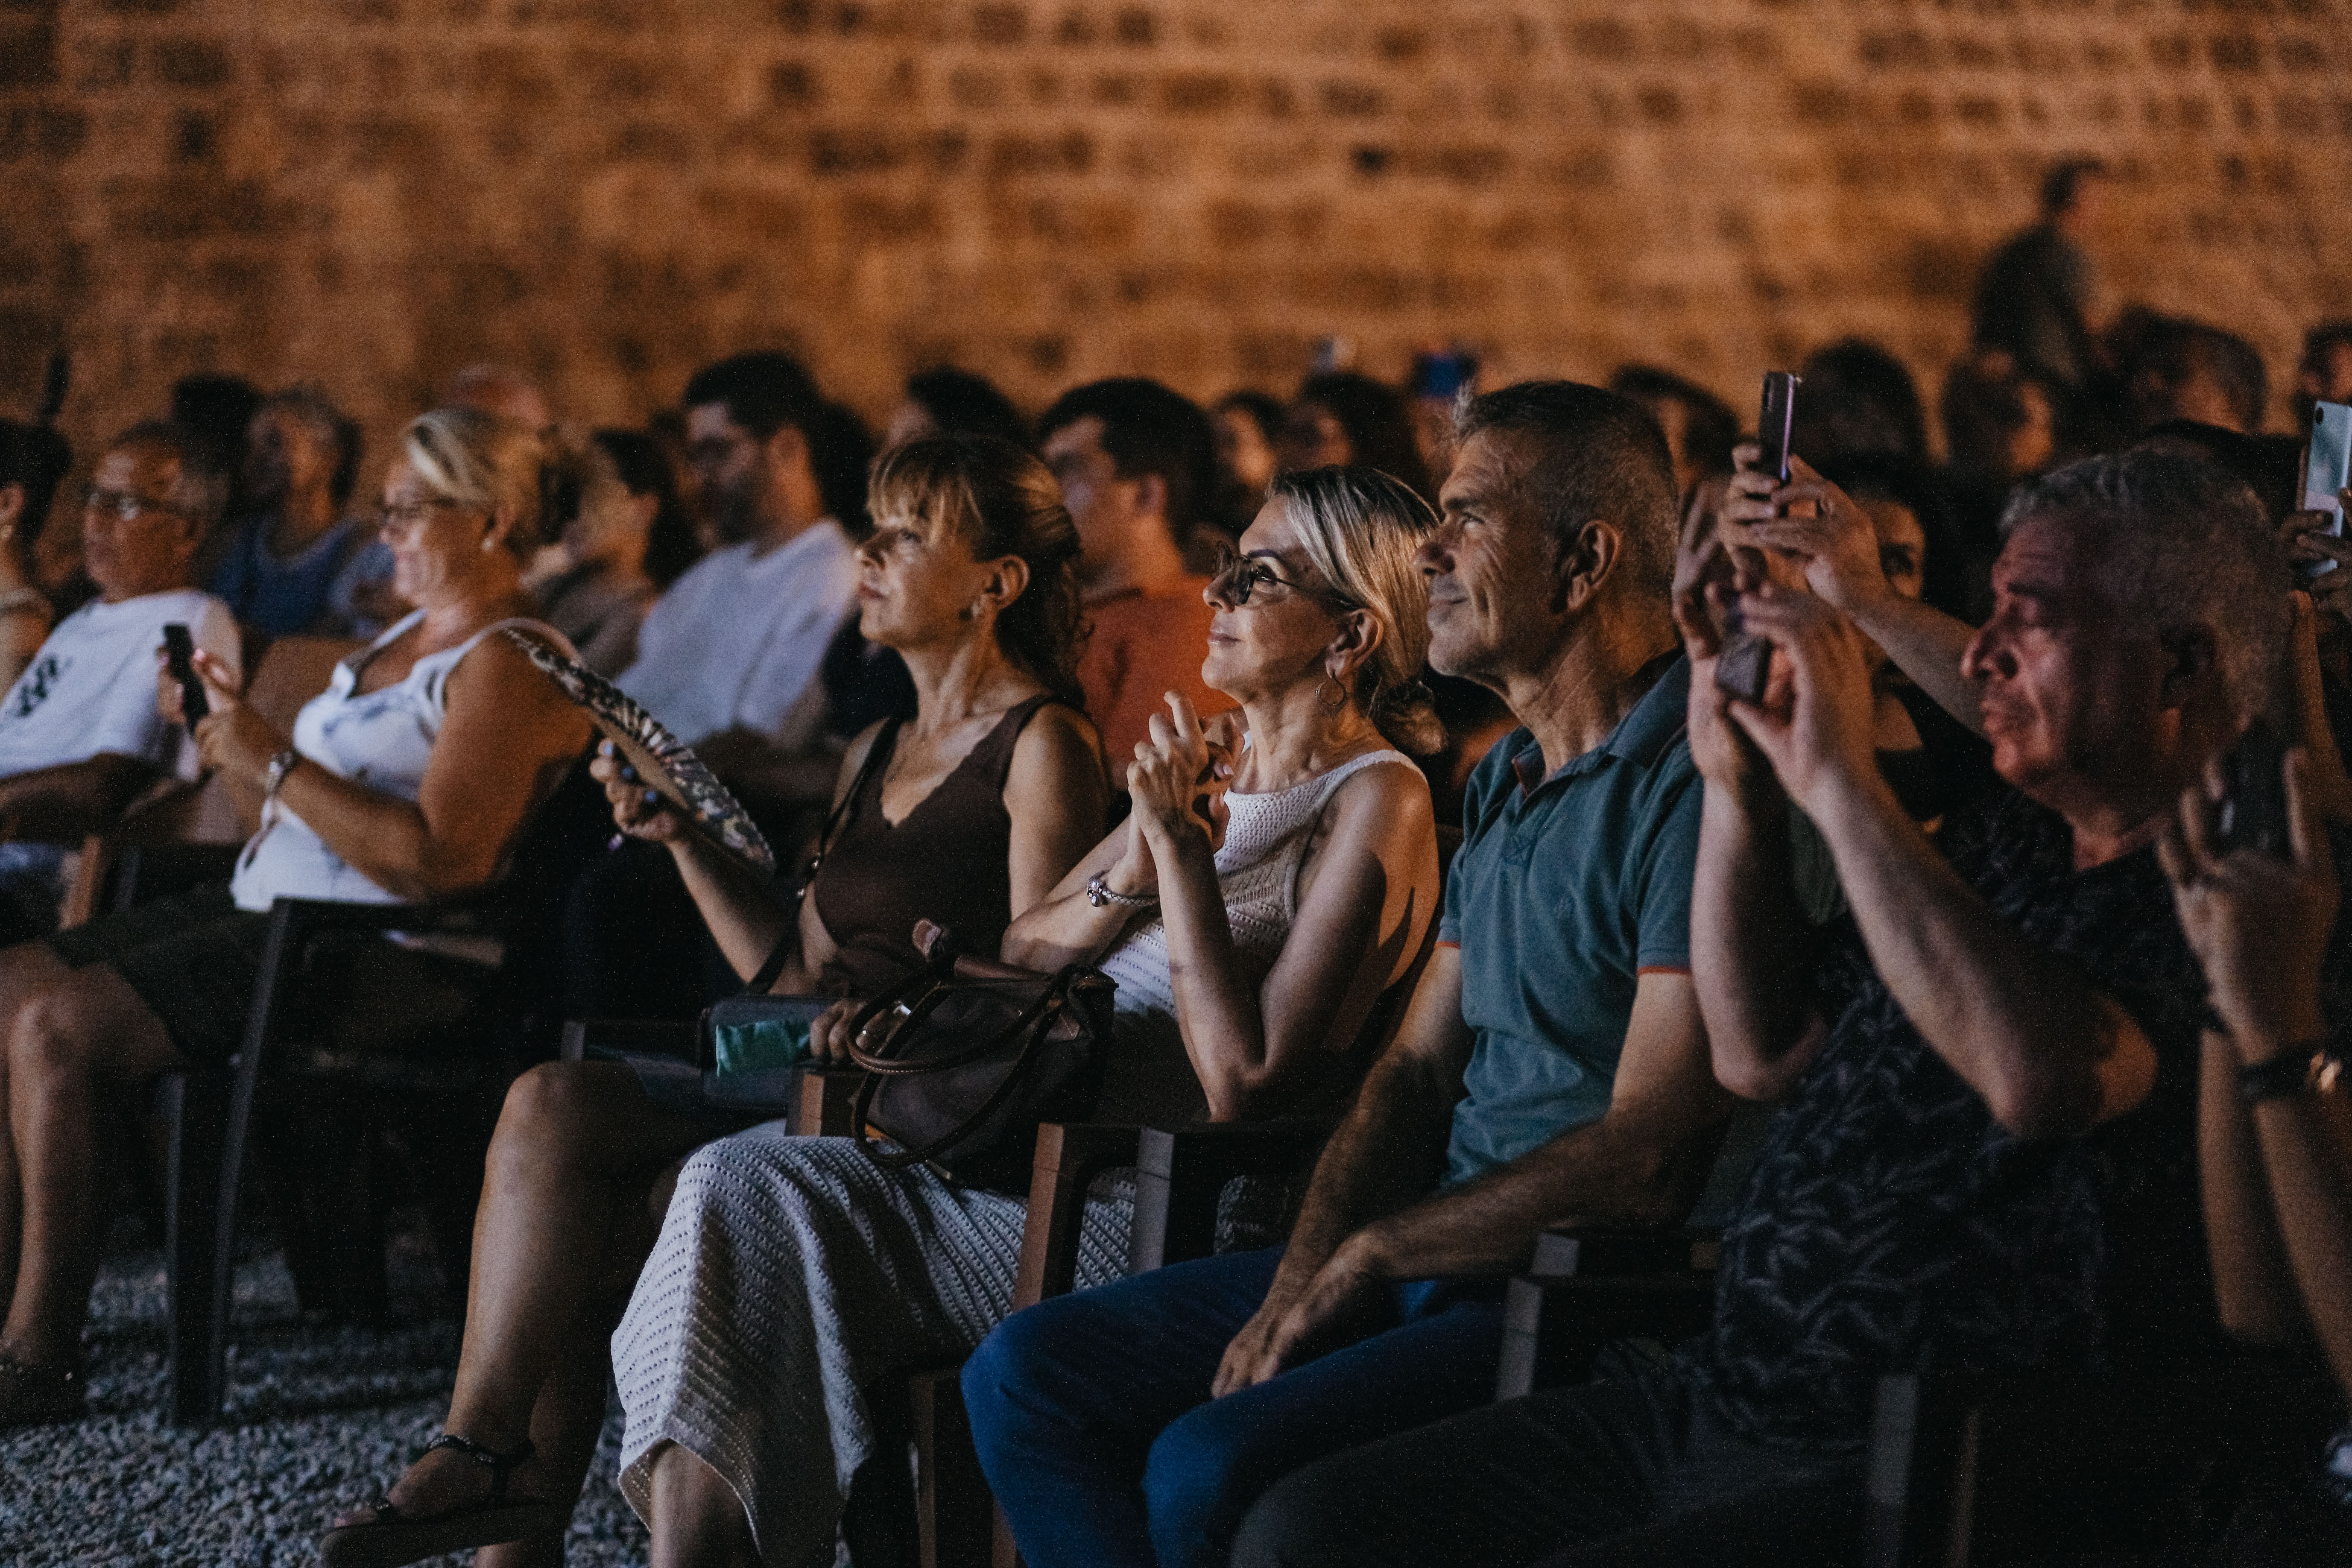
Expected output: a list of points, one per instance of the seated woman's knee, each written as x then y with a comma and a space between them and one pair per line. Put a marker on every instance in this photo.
550, 1109
51, 1033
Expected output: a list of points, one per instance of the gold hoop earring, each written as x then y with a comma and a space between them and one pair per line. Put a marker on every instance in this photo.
1332, 704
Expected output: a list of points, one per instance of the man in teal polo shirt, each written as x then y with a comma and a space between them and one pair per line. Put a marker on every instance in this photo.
1551, 1064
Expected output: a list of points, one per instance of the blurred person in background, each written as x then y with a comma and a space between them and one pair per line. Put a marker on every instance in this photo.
500, 390
34, 461
2037, 297
1857, 400
1247, 423
2180, 369
1700, 428
1441, 374
946, 401
2324, 374
1137, 466
292, 562
79, 733
218, 411
594, 583
1341, 417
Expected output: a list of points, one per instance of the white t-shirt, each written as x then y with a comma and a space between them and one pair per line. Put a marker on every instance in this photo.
739, 639
90, 689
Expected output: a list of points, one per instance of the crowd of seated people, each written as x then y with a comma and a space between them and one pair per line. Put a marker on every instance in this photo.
1933, 961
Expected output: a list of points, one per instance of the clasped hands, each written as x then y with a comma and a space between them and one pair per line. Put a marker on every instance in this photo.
1177, 784
231, 739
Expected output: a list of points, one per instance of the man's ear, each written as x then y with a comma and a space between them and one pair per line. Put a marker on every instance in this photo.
2192, 654
1582, 565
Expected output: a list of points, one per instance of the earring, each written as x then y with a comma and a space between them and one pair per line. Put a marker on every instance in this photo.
1332, 704
489, 543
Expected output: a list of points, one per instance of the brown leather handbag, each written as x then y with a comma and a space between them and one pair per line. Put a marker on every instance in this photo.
966, 1057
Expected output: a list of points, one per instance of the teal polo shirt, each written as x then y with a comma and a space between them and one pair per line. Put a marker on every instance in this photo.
1565, 889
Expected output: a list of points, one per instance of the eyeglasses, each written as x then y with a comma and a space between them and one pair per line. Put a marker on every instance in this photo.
1236, 577
408, 514
125, 506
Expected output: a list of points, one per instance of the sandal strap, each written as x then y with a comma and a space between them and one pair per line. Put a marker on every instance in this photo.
501, 1466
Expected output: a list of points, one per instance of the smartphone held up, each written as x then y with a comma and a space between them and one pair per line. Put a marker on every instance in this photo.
1745, 664
180, 658
2327, 469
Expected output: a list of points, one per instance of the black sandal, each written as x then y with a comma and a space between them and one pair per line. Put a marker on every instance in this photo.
393, 1538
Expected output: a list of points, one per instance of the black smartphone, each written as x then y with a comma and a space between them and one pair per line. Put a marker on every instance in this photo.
1773, 424
1745, 662
2252, 810
180, 655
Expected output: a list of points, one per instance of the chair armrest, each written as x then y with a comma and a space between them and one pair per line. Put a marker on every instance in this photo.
1070, 1156
1181, 1171
1591, 1284
617, 1039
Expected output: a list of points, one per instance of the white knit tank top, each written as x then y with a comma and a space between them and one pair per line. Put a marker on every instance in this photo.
1257, 870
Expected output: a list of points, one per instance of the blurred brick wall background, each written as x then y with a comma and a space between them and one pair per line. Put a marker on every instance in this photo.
372, 193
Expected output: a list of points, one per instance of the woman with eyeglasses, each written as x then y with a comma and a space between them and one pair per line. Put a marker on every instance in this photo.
1274, 883
407, 779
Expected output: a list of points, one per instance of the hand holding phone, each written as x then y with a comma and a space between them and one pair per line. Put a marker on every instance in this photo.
2251, 813
2327, 469
1745, 662
180, 658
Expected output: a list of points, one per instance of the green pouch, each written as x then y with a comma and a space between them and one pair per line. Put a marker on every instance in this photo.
760, 1034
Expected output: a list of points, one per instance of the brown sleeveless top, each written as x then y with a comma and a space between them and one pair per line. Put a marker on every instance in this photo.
944, 861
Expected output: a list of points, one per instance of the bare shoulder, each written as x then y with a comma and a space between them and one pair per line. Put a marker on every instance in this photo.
1390, 796
1056, 741
495, 669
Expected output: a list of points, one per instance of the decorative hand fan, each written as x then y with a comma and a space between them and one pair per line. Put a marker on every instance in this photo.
660, 758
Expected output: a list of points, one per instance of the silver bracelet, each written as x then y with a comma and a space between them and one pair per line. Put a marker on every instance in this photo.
280, 765
1100, 893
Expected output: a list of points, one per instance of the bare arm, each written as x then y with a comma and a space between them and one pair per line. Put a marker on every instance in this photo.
59, 805
504, 742
1056, 798
1750, 943
2277, 1175
1368, 894
2050, 1053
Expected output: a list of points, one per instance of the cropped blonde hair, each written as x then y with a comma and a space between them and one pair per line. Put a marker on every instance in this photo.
484, 462
1361, 530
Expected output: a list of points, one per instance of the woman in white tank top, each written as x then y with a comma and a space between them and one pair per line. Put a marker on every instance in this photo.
1277, 874
406, 780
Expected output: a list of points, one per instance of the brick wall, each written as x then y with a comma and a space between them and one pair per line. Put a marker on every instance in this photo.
371, 193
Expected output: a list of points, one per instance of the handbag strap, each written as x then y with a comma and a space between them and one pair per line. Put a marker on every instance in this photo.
782, 954
1037, 1017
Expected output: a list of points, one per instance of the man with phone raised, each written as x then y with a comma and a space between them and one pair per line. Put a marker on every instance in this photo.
1985, 1158
1551, 1063
79, 733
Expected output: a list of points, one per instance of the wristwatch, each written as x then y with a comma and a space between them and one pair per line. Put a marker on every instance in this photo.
1100, 893
279, 766
2290, 1071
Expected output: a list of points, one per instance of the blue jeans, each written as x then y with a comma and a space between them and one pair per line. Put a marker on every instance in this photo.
1093, 1422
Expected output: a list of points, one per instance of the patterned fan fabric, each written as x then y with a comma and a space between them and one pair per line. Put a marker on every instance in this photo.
660, 758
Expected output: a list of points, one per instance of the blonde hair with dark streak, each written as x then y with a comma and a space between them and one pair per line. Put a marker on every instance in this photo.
484, 462
1000, 501
1361, 530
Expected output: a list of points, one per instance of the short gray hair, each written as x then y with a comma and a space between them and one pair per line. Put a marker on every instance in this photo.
1596, 454
2185, 543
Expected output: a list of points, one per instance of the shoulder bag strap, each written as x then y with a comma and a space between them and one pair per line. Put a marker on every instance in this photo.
780, 954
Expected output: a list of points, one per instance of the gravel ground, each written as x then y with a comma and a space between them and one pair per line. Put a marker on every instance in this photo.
317, 1419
